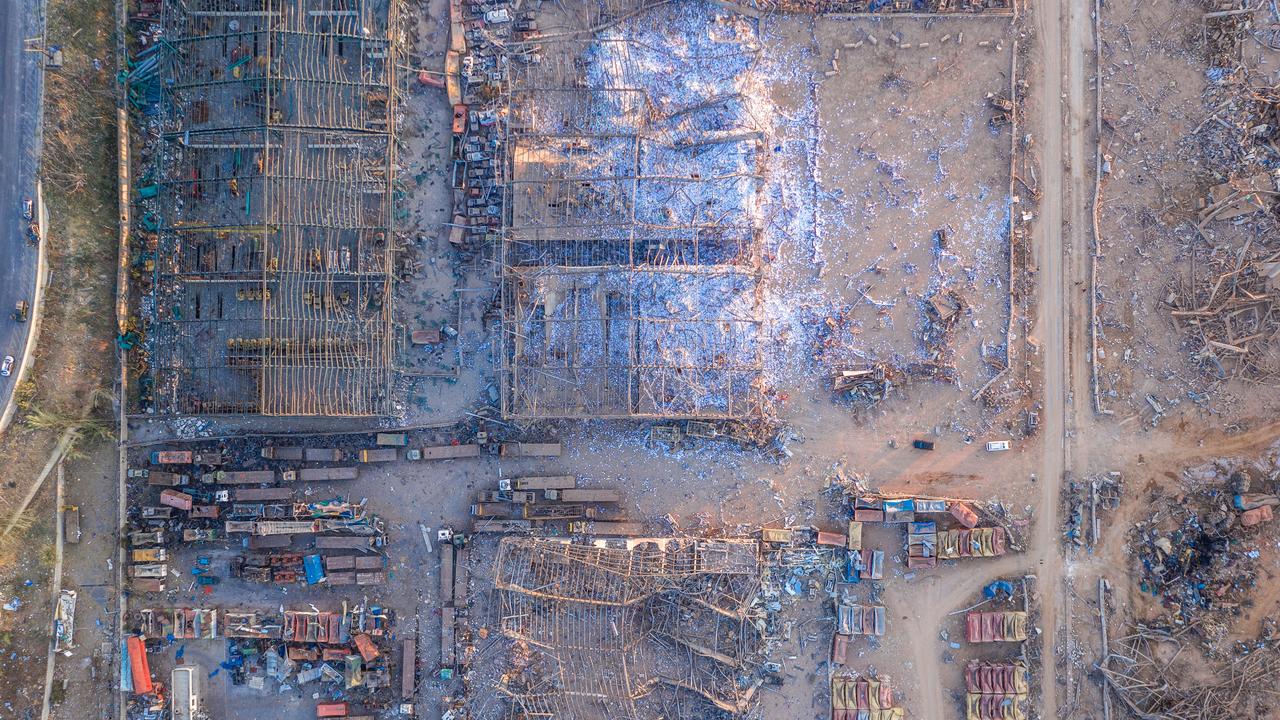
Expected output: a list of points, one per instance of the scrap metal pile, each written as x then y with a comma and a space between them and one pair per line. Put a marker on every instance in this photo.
654, 628
1228, 310
344, 658
1199, 553
1144, 672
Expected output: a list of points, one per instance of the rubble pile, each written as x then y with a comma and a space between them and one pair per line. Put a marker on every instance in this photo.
1199, 552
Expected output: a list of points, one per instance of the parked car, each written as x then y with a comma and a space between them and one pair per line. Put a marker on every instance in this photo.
6, 368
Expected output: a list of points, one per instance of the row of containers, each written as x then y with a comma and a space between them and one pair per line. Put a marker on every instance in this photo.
995, 690
953, 535
863, 698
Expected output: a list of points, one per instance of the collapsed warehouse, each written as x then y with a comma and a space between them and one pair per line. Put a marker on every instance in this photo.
647, 628
267, 209
631, 278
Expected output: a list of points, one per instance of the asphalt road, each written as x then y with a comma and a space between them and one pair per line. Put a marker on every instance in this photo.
20, 85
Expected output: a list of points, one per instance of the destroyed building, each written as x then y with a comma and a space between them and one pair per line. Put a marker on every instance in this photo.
631, 278
267, 209
654, 628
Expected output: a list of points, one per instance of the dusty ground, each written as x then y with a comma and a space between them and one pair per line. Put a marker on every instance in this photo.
887, 151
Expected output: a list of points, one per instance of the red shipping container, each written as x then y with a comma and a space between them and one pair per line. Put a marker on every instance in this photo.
839, 649
139, 668
331, 710
830, 538
175, 499
961, 512
867, 515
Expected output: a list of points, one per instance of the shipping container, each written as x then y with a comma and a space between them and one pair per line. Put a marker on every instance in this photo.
777, 535
175, 499
855, 535
331, 710
207, 458
139, 667
545, 482
344, 542
143, 538
157, 514
322, 455
282, 453
321, 474
269, 542
530, 450
374, 456
391, 439
585, 495
607, 529
154, 571
166, 479
171, 457
450, 452
262, 494
239, 477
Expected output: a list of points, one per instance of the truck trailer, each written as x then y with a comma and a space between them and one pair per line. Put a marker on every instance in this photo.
171, 457
320, 474
239, 477
378, 455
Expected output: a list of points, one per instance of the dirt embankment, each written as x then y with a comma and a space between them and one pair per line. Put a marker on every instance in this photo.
75, 359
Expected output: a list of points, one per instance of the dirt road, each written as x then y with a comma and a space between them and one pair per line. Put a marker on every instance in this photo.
1062, 253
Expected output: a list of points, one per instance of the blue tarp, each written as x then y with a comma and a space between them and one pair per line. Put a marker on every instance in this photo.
900, 505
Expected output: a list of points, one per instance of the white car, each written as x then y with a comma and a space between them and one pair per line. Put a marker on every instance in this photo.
7, 368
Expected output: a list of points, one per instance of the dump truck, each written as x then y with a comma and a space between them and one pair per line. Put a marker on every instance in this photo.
171, 457
391, 439
544, 482
283, 453
20, 310
239, 477
584, 495
374, 456
320, 474
447, 452
529, 450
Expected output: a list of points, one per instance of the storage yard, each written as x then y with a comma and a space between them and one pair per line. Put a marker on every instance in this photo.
844, 359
